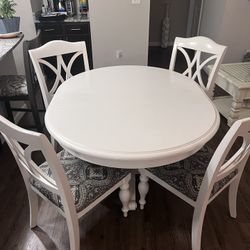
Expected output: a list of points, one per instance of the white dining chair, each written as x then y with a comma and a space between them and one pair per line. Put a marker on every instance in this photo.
200, 178
42, 56
204, 51
71, 185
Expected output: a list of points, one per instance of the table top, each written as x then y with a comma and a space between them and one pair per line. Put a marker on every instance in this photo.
131, 116
8, 44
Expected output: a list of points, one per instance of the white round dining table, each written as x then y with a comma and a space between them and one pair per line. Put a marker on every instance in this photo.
131, 116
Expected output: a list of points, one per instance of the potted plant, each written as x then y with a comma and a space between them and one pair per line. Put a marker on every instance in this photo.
8, 22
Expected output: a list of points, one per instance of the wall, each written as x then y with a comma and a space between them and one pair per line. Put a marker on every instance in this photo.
15, 65
119, 25
236, 29
27, 26
178, 19
193, 23
227, 22
36, 5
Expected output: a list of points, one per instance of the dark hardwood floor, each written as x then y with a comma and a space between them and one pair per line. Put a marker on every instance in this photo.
164, 224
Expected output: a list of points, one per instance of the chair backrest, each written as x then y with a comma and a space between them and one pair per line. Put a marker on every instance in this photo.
222, 164
57, 49
30, 75
206, 51
32, 142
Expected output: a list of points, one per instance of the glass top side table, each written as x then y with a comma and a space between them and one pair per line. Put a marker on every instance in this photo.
234, 78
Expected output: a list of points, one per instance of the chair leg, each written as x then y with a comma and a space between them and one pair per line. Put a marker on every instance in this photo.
35, 113
124, 195
54, 143
33, 204
232, 197
74, 234
143, 188
197, 224
9, 111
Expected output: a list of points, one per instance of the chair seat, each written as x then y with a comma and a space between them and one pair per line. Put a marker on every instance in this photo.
186, 176
87, 181
13, 85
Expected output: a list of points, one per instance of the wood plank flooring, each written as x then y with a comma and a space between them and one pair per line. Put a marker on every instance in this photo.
164, 224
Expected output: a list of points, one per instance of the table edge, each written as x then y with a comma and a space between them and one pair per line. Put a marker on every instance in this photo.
140, 159
13, 47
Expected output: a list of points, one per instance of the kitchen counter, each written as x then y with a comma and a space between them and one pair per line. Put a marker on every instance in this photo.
7, 45
73, 19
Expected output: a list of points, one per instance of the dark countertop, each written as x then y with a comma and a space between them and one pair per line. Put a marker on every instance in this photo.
75, 18
8, 44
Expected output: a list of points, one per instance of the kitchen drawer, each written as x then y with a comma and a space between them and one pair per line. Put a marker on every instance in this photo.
51, 29
77, 28
78, 38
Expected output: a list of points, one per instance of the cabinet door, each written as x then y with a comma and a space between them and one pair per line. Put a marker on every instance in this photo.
51, 31
79, 28
75, 32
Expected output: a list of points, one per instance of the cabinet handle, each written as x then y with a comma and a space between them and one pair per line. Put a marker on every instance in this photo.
48, 30
75, 29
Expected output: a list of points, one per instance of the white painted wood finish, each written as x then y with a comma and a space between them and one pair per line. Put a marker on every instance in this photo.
218, 168
15, 135
234, 78
206, 52
56, 49
131, 116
